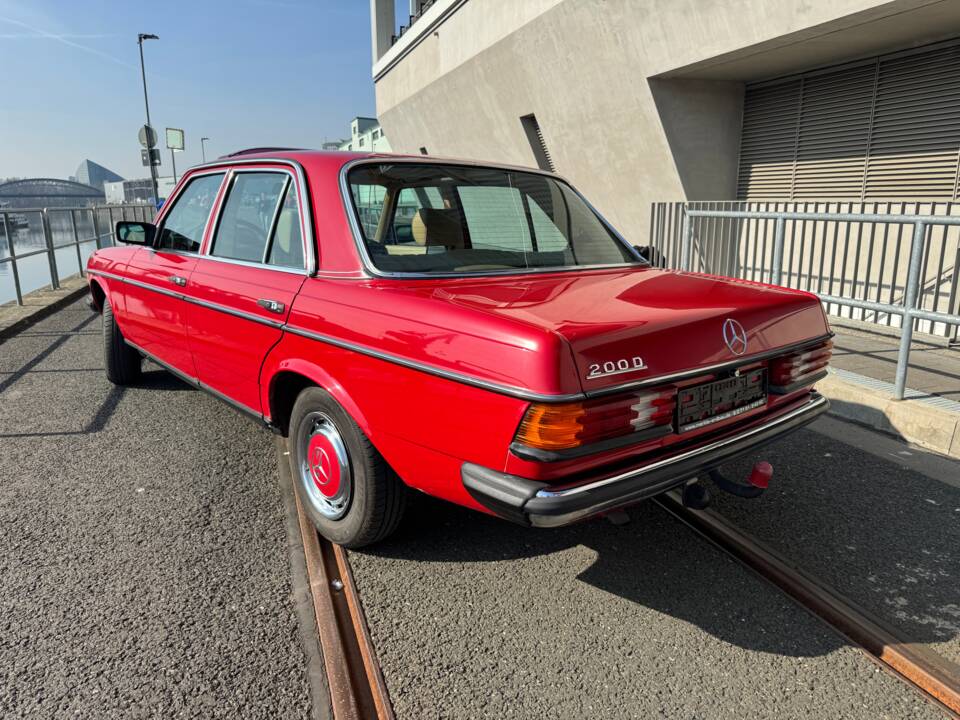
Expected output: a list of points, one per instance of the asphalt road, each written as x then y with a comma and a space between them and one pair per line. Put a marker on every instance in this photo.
144, 568
872, 517
473, 617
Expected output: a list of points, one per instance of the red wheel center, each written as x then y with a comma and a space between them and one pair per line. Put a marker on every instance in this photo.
324, 465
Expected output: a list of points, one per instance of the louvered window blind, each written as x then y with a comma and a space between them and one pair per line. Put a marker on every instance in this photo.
883, 129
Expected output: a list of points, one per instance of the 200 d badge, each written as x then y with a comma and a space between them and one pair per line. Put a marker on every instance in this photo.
615, 367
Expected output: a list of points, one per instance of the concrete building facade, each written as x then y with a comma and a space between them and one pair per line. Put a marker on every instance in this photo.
643, 101
366, 135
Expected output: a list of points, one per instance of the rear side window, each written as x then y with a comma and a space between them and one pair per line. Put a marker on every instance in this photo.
248, 215
286, 245
184, 223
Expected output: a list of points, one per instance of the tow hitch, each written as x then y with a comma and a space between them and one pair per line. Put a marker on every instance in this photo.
697, 496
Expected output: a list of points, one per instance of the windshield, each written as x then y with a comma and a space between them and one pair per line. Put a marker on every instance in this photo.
422, 218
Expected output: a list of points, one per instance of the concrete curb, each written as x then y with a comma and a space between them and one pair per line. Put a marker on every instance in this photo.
912, 420
35, 314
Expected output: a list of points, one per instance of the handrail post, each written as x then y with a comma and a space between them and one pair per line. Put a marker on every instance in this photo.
51, 255
778, 233
96, 226
13, 258
686, 251
76, 242
909, 304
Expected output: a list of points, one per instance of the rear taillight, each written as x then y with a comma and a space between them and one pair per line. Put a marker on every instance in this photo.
796, 368
564, 426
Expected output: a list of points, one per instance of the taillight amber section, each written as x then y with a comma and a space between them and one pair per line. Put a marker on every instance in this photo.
562, 426
551, 427
796, 367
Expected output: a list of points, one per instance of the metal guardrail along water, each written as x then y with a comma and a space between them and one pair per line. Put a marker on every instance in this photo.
33, 232
694, 241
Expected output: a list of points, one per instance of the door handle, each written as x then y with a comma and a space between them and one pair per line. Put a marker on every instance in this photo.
177, 280
271, 305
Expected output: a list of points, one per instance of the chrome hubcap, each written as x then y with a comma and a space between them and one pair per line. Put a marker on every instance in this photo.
324, 466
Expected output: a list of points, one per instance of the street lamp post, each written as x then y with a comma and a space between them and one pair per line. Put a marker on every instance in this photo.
203, 150
143, 74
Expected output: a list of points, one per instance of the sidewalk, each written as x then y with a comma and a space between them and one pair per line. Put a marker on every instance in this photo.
934, 369
38, 305
860, 388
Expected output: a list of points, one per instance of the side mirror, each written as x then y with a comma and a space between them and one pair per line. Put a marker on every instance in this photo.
653, 256
136, 233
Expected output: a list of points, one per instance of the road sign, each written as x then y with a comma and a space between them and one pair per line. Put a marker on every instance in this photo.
147, 137
150, 157
174, 139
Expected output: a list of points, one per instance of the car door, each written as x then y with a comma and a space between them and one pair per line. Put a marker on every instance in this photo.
157, 277
244, 283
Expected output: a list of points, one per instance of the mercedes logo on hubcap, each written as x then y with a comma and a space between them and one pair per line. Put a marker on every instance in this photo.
734, 336
321, 466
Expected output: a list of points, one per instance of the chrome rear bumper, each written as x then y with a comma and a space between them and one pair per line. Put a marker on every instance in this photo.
533, 502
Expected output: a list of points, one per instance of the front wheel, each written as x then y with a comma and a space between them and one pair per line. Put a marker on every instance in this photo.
121, 362
346, 487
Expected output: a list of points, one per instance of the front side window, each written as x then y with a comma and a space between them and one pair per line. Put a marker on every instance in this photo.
184, 223
425, 218
247, 219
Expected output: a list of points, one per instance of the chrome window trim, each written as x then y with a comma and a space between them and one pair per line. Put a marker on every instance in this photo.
171, 202
271, 233
304, 197
371, 268
262, 263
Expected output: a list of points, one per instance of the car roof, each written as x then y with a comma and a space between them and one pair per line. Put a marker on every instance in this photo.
336, 159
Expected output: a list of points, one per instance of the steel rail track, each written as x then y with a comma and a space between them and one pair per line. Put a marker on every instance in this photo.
356, 684
936, 677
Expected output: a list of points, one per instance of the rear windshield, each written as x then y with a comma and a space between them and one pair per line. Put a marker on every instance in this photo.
423, 218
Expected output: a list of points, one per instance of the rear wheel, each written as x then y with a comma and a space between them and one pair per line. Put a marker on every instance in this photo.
122, 362
346, 487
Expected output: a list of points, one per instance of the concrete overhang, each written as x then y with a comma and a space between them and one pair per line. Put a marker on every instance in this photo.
887, 28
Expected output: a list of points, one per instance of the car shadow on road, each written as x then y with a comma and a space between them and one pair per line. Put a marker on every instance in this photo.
653, 561
657, 562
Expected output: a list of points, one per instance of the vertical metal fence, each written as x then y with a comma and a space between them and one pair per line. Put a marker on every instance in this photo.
890, 263
40, 247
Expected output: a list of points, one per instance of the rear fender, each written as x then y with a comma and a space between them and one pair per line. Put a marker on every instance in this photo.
274, 365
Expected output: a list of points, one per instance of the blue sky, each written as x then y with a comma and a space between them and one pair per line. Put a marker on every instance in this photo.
243, 73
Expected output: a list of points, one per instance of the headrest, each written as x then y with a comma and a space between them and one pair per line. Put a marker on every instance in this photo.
288, 229
438, 227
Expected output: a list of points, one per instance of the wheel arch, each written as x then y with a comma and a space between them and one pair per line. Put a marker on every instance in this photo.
97, 294
290, 378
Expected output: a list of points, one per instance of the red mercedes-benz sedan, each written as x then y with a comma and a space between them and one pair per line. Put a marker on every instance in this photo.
477, 332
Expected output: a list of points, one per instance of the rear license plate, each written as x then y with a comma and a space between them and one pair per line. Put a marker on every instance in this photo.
721, 399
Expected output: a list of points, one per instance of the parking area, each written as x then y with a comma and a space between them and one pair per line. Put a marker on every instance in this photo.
149, 570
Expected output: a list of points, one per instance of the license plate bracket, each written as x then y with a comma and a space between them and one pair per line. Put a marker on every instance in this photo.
718, 400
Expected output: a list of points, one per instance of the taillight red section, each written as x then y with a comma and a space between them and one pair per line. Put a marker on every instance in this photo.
569, 425
795, 368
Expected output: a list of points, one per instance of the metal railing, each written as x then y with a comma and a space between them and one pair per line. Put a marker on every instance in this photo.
781, 263
58, 234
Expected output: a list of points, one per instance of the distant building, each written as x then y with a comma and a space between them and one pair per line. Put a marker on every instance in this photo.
366, 135
137, 191
48, 193
90, 173
128, 191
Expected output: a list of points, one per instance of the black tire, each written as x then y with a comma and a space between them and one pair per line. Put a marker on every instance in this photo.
122, 362
377, 497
